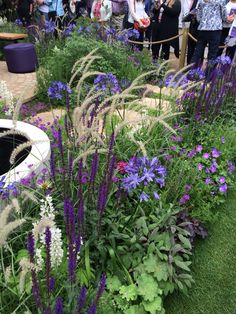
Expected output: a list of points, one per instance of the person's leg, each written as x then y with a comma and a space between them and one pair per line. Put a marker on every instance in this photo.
213, 44
155, 47
200, 48
165, 51
224, 34
140, 39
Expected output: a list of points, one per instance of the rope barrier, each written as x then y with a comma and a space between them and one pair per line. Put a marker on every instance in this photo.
155, 42
195, 39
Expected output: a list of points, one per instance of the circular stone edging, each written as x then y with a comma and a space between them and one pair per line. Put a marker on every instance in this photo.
38, 156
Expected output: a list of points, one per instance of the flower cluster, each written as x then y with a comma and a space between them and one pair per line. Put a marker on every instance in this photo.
69, 29
18, 23
47, 214
144, 175
107, 83
196, 74
213, 172
49, 27
223, 60
178, 80
6, 99
7, 191
56, 89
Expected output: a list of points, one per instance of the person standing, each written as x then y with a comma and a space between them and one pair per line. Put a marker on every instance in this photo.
24, 11
210, 15
102, 10
137, 15
231, 15
165, 24
118, 13
43, 10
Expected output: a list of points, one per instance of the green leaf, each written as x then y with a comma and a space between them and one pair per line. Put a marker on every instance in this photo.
154, 306
150, 263
185, 241
129, 292
113, 283
161, 272
182, 265
147, 287
21, 254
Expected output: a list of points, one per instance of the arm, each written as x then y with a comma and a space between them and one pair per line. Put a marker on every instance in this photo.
92, 10
174, 10
224, 12
131, 9
199, 12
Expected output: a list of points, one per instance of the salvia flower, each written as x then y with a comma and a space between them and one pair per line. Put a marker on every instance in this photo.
59, 306
222, 180
206, 155
81, 300
56, 90
199, 148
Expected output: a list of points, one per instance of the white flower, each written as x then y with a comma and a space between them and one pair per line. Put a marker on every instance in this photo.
46, 208
38, 259
56, 250
6, 98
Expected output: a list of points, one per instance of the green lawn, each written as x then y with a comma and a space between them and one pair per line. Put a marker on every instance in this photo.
214, 270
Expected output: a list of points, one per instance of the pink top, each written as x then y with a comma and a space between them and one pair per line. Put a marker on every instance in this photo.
97, 9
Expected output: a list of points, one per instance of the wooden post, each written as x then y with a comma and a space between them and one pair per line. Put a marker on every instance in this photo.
183, 48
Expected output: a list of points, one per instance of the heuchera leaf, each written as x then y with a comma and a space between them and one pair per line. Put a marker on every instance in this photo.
129, 292
113, 283
148, 287
154, 306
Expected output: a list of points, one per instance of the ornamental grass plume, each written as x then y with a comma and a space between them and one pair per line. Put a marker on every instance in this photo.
6, 228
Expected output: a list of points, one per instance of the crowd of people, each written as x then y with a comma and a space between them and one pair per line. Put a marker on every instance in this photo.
211, 21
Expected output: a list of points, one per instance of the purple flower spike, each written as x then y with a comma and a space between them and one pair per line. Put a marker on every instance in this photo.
81, 300
30, 246
48, 238
223, 188
101, 288
92, 309
59, 306
215, 153
206, 155
47, 311
52, 284
184, 199
208, 180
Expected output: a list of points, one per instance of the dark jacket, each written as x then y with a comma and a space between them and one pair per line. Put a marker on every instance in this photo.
169, 24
